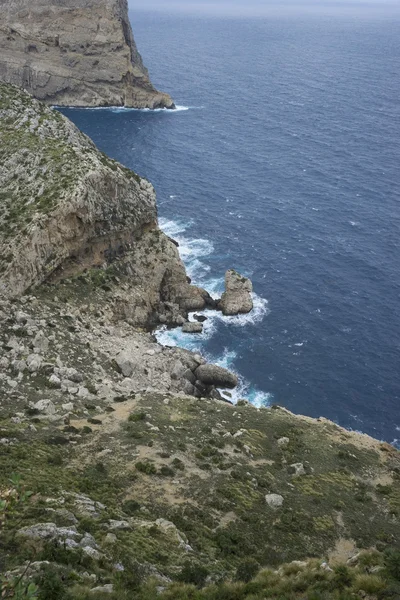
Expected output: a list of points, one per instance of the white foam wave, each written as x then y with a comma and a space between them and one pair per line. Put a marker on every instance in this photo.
193, 252
244, 389
124, 109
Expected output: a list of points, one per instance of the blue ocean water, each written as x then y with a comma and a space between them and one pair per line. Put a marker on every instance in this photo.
283, 162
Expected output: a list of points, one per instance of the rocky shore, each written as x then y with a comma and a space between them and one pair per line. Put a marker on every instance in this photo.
123, 474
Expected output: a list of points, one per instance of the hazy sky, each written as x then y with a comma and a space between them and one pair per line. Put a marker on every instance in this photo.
265, 7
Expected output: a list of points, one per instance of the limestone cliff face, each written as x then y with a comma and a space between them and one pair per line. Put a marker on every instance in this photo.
66, 207
75, 53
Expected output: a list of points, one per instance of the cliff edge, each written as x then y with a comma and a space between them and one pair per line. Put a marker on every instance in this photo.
75, 53
123, 474
66, 208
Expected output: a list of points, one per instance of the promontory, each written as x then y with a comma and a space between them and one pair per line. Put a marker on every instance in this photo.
124, 475
75, 53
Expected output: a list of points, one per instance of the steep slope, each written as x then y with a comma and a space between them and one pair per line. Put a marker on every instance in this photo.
66, 207
122, 473
75, 52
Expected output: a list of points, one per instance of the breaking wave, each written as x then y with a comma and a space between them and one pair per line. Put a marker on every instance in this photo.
194, 252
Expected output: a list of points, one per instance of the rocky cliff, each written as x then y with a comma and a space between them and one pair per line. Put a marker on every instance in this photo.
66, 207
75, 53
123, 475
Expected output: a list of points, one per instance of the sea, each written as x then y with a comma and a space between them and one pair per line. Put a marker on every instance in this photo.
281, 161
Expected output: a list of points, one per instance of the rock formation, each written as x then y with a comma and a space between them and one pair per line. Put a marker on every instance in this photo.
67, 208
121, 471
237, 297
75, 53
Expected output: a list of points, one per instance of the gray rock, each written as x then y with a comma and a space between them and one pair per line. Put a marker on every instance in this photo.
92, 552
34, 362
214, 375
274, 500
55, 381
19, 365
237, 297
200, 318
283, 441
297, 469
49, 531
103, 589
115, 525
110, 539
188, 388
4, 362
44, 406
40, 342
88, 540
178, 370
192, 327
125, 364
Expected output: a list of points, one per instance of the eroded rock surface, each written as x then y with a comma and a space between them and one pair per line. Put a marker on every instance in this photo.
75, 53
66, 208
237, 297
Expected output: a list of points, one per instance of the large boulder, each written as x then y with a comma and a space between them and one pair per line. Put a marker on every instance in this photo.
216, 376
192, 327
237, 297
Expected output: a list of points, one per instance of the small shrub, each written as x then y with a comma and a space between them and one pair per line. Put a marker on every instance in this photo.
371, 584
166, 471
136, 417
193, 573
342, 577
247, 569
146, 467
130, 507
55, 460
51, 585
178, 464
392, 562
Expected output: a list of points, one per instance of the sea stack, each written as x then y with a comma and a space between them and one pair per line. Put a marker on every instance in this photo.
237, 298
75, 53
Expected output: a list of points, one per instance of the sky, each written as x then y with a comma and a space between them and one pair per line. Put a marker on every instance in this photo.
266, 7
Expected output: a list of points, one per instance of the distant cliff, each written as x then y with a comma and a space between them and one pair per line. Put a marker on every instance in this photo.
75, 53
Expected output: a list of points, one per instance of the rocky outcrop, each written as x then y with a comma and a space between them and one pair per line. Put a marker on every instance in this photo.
216, 376
237, 297
75, 53
67, 209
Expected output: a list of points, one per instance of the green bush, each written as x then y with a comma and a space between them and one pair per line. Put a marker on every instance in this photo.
193, 573
146, 467
371, 584
130, 507
247, 569
136, 417
342, 577
391, 559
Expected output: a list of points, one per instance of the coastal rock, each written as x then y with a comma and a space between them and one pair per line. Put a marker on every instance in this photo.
66, 209
192, 327
217, 376
237, 297
75, 53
